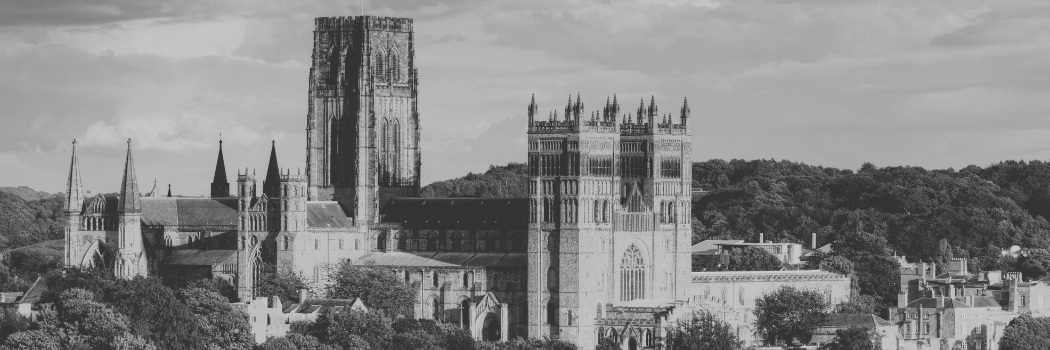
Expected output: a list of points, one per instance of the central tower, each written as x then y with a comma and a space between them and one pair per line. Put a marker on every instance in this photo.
362, 144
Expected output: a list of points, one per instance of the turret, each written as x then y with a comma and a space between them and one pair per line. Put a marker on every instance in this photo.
652, 112
533, 107
220, 186
641, 110
685, 113
568, 109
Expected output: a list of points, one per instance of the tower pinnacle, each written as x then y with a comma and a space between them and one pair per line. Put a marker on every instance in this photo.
272, 184
220, 186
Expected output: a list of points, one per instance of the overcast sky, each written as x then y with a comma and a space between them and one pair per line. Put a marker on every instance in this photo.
932, 83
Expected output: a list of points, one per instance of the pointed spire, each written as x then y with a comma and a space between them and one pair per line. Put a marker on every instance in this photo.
685, 112
220, 186
169, 190
129, 187
641, 110
272, 184
74, 186
532, 109
568, 108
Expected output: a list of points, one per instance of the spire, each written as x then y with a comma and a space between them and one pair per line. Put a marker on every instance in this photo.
169, 190
652, 106
128, 202
220, 186
641, 110
272, 184
685, 112
568, 108
532, 110
74, 186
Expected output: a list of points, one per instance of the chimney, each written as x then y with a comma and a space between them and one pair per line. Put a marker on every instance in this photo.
951, 290
940, 302
902, 298
814, 240
760, 237
302, 296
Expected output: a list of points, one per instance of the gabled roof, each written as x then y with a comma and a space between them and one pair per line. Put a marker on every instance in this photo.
176, 211
710, 246
323, 305
326, 215
445, 259
856, 320
458, 213
193, 257
955, 303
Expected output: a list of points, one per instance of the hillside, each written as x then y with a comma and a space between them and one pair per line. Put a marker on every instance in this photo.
976, 210
27, 193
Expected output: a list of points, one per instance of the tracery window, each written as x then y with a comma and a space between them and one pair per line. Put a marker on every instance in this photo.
380, 67
632, 274
395, 67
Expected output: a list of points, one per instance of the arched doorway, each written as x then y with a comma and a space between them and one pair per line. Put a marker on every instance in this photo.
491, 330
632, 344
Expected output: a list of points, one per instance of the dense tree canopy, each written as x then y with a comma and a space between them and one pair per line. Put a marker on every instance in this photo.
789, 315
703, 331
854, 339
378, 288
1026, 333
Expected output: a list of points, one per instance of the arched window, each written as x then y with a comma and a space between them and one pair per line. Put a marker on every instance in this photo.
605, 211
435, 278
395, 67
380, 67
464, 314
552, 279
333, 67
632, 274
524, 313
437, 309
552, 313
402, 243
287, 243
381, 241
390, 152
466, 279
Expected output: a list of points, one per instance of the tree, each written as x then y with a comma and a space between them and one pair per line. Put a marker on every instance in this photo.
1035, 265
157, 314
859, 304
607, 344
702, 331
221, 324
295, 341
283, 283
753, 259
378, 288
837, 264
854, 338
878, 276
1026, 333
789, 314
78, 321
348, 328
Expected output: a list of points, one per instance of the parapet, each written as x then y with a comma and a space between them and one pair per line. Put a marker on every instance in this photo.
350, 23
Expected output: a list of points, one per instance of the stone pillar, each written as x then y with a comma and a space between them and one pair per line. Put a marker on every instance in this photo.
503, 321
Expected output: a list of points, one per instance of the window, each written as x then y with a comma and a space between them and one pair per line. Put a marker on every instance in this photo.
317, 244
286, 242
552, 313
435, 279
340, 244
380, 67
381, 241
466, 280
395, 68
437, 309
632, 274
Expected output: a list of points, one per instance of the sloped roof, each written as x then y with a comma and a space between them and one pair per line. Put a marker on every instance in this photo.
323, 305
955, 303
458, 213
193, 257
856, 320
710, 246
35, 292
446, 259
326, 215
189, 211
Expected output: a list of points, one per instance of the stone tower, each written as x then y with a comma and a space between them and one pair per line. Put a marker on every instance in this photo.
608, 219
130, 258
363, 123
574, 189
74, 205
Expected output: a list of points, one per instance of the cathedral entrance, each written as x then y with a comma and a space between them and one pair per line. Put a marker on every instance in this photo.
491, 331
632, 344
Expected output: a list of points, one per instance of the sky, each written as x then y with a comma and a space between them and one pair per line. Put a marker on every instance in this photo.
933, 83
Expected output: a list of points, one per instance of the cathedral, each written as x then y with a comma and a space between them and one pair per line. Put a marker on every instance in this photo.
599, 249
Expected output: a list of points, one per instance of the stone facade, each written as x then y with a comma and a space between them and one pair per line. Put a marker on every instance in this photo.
599, 248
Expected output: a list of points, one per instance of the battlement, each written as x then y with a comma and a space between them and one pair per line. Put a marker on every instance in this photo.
245, 177
351, 23
649, 122
287, 176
